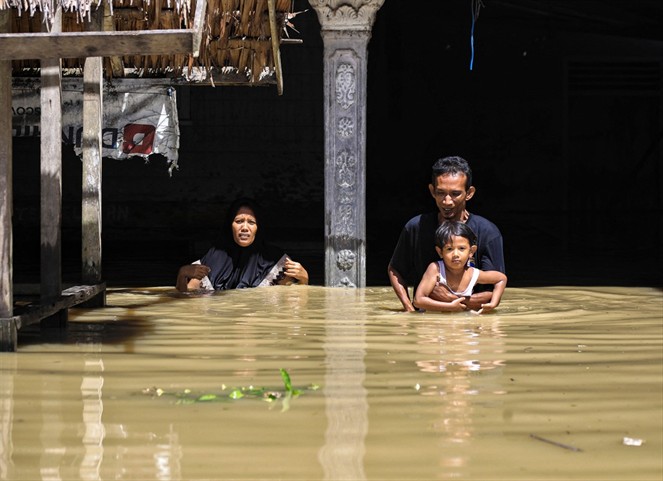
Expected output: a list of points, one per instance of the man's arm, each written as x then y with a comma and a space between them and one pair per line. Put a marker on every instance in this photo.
491, 259
442, 294
475, 301
498, 280
400, 288
491, 251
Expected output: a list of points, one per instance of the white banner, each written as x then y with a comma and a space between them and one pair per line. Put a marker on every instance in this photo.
139, 119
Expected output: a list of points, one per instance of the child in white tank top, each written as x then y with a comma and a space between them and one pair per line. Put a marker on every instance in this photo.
456, 243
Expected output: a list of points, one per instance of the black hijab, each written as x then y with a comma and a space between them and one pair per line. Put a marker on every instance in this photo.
236, 267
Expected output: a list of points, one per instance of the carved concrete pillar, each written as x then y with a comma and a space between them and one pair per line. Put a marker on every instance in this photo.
345, 29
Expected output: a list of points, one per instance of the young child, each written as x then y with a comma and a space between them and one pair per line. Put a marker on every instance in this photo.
455, 243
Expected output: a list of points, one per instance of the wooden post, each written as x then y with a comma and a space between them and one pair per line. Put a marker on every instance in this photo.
7, 328
92, 168
276, 52
51, 179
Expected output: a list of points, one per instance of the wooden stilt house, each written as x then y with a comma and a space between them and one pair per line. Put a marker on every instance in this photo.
210, 42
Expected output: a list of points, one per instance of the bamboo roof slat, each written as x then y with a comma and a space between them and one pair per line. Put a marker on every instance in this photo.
153, 37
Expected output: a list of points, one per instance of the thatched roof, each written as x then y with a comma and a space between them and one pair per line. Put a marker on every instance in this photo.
238, 40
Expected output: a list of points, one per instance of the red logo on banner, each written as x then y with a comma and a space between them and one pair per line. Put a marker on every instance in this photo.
138, 139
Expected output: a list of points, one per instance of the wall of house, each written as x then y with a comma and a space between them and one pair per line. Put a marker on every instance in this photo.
563, 136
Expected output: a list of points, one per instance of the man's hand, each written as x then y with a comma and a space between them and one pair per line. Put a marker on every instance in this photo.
474, 303
478, 299
443, 294
400, 288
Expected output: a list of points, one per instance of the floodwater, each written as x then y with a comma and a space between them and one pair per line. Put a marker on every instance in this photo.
559, 383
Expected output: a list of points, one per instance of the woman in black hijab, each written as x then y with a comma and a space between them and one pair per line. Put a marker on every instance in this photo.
241, 257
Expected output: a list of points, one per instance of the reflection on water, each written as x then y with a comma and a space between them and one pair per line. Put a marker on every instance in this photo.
457, 352
342, 455
546, 388
93, 408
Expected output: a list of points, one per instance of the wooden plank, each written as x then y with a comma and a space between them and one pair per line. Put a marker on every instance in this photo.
18, 46
51, 172
92, 155
276, 52
8, 336
198, 24
70, 297
114, 64
58, 44
6, 179
31, 314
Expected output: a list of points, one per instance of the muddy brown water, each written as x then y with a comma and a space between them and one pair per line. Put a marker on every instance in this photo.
559, 383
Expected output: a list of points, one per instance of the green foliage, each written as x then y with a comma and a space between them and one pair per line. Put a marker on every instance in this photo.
285, 395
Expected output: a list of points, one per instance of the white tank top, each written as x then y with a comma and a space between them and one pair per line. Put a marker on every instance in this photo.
470, 287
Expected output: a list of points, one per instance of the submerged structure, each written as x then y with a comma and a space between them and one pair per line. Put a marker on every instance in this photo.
233, 42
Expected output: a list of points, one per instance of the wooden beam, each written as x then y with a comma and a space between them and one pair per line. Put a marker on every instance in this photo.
6, 180
23, 46
51, 172
114, 65
276, 52
198, 25
70, 297
92, 155
94, 44
73, 296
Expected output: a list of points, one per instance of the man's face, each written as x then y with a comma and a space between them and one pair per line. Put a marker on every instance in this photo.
450, 195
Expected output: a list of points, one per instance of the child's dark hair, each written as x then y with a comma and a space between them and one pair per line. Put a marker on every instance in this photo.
448, 229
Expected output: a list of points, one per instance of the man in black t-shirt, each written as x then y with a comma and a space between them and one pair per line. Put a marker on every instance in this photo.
451, 187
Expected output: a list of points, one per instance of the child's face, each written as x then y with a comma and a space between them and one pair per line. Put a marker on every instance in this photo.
456, 252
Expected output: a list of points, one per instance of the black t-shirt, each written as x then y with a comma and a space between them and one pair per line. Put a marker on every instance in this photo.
416, 247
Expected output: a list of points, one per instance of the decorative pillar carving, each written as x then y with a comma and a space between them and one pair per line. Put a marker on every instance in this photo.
345, 29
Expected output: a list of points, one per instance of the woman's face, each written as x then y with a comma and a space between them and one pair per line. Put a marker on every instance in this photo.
244, 227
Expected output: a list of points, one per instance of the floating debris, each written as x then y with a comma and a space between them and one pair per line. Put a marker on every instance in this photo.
187, 396
632, 441
555, 443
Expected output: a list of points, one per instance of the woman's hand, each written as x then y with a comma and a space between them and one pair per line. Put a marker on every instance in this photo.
193, 273
295, 271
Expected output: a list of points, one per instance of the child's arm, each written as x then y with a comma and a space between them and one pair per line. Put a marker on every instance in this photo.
498, 280
422, 297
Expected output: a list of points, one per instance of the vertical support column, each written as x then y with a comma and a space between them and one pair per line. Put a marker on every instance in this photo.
346, 30
92, 165
51, 174
7, 327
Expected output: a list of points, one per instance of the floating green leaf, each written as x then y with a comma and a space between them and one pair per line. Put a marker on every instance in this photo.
286, 379
207, 397
236, 394
186, 396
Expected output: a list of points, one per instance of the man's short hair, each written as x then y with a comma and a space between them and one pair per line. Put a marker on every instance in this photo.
452, 165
